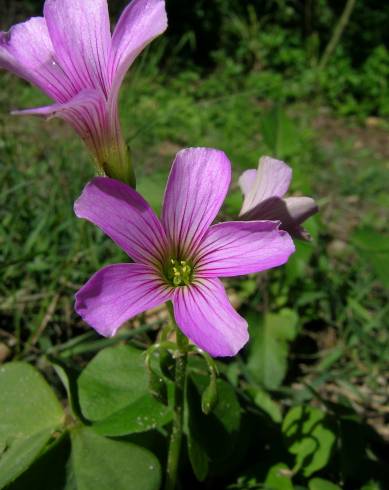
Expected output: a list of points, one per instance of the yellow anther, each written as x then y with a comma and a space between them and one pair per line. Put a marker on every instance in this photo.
179, 272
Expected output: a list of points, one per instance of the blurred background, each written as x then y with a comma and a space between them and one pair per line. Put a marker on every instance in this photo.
303, 81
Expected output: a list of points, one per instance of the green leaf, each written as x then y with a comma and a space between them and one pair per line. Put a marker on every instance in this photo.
320, 484
114, 393
143, 414
371, 485
68, 377
30, 413
374, 248
198, 458
309, 436
211, 438
49, 471
268, 355
20, 455
265, 403
369, 239
278, 478
280, 133
105, 464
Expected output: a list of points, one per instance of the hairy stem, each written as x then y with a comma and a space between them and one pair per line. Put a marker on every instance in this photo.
178, 412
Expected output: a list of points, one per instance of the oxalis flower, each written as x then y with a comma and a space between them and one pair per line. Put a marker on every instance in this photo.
71, 56
180, 257
264, 191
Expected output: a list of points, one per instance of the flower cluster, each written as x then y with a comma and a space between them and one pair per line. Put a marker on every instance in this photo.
70, 55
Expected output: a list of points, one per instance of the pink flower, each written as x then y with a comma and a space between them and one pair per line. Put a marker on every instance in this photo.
180, 257
263, 191
71, 56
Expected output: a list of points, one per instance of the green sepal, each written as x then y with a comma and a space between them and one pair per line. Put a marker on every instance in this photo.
157, 386
167, 363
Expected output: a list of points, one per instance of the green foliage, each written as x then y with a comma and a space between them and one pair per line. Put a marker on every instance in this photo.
114, 392
280, 133
320, 484
30, 414
33, 425
309, 437
212, 438
267, 360
374, 248
278, 477
98, 462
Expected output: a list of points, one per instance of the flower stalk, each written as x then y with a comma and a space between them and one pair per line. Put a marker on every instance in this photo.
178, 408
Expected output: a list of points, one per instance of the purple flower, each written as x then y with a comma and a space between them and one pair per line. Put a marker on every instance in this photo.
180, 257
71, 56
264, 191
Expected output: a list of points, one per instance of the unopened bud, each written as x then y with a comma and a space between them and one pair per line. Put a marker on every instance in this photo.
209, 396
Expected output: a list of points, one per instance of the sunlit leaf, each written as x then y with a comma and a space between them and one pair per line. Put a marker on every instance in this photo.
30, 413
320, 484
279, 478
102, 463
309, 436
143, 414
114, 393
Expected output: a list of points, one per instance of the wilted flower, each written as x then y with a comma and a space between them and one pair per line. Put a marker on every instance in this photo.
264, 191
180, 257
72, 57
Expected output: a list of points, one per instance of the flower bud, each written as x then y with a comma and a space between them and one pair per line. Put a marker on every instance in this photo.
209, 396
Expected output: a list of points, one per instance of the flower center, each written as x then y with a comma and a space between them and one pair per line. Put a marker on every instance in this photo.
179, 272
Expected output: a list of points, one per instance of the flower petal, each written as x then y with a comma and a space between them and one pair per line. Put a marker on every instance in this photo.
125, 217
86, 112
205, 315
291, 211
195, 191
26, 50
140, 22
301, 208
247, 180
272, 180
243, 247
117, 293
80, 32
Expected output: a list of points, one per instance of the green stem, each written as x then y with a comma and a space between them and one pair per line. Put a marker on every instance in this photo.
338, 31
178, 411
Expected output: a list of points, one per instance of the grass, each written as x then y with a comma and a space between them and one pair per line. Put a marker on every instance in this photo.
335, 283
